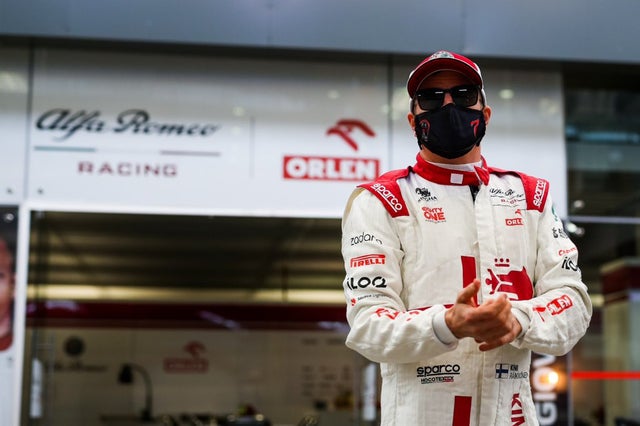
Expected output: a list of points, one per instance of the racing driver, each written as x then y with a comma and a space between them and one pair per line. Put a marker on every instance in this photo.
457, 271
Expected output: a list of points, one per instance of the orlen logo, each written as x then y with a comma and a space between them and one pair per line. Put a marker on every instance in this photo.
559, 305
539, 192
193, 364
388, 196
345, 127
515, 221
367, 259
300, 167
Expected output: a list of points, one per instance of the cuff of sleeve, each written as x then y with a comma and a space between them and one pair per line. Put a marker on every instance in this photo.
442, 331
523, 319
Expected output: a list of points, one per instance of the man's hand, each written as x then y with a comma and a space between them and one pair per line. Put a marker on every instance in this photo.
491, 324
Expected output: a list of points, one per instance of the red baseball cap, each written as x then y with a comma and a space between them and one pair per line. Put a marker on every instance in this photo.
442, 61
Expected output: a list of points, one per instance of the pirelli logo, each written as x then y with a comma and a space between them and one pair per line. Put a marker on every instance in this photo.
367, 259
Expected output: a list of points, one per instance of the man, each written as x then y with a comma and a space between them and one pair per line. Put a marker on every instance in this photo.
455, 271
7, 287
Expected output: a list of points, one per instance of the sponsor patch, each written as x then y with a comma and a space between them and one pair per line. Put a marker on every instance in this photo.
425, 195
569, 264
435, 214
563, 252
388, 196
364, 282
506, 197
516, 284
363, 238
443, 373
510, 371
538, 194
515, 221
559, 305
367, 259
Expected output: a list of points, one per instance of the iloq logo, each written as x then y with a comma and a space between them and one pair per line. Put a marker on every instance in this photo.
364, 282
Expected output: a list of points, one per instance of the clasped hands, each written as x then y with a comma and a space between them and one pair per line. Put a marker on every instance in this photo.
491, 324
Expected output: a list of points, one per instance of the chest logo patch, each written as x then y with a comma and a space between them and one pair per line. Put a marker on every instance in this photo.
514, 283
434, 214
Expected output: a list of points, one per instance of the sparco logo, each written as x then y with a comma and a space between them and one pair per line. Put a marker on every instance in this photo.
135, 121
391, 199
442, 373
436, 370
539, 193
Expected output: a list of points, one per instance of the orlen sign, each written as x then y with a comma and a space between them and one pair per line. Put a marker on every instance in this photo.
301, 167
330, 168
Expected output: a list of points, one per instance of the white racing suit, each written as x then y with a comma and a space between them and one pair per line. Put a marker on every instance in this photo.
411, 240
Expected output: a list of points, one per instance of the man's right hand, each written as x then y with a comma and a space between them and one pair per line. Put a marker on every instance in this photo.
492, 324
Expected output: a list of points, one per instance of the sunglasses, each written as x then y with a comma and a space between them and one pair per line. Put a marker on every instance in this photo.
464, 96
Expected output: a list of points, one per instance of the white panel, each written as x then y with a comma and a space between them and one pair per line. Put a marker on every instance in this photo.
13, 122
97, 135
525, 133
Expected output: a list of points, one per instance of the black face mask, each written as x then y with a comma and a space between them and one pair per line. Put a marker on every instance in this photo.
450, 131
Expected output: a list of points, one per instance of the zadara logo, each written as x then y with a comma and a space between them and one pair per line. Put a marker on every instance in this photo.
300, 167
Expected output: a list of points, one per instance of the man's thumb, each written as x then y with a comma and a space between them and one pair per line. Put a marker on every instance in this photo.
468, 294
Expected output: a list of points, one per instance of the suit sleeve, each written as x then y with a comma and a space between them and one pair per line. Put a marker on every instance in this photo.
381, 328
560, 311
